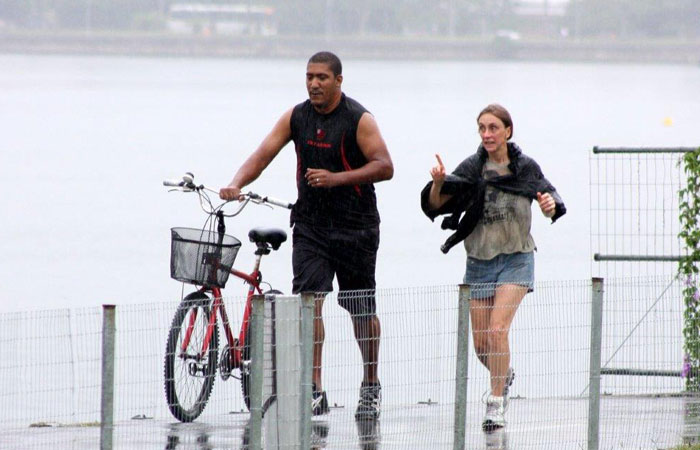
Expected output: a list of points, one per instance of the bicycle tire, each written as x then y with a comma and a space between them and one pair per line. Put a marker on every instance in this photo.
245, 358
245, 368
188, 379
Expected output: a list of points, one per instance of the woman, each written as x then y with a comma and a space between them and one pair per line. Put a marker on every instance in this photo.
493, 189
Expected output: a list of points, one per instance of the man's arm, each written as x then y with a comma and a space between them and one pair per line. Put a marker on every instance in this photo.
378, 168
268, 149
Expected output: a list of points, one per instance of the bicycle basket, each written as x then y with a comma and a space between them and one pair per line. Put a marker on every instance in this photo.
201, 257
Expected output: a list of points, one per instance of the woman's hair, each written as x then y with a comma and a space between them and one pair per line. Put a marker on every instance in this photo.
500, 112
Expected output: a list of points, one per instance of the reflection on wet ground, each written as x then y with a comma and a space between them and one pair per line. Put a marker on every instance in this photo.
368, 434
650, 422
319, 434
199, 438
193, 436
496, 439
691, 423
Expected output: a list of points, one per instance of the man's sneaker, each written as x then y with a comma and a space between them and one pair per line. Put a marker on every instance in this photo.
506, 387
319, 402
494, 414
370, 401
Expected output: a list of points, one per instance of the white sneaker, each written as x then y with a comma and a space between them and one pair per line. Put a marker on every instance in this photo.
495, 411
506, 387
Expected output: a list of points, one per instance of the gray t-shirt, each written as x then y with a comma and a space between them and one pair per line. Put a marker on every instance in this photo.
505, 225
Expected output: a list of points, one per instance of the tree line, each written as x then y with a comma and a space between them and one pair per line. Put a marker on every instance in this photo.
581, 18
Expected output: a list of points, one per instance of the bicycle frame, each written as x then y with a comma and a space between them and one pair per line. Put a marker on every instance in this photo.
253, 279
192, 351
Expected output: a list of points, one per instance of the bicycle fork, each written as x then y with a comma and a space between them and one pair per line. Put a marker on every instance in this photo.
194, 368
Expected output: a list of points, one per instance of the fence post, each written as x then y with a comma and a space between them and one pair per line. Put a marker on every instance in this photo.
594, 365
107, 394
307, 349
462, 368
257, 349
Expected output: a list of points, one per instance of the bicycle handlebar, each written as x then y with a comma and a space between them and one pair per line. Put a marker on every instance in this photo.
187, 185
187, 182
271, 200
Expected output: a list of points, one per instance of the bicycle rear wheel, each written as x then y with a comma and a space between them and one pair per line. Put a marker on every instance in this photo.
189, 375
246, 359
245, 367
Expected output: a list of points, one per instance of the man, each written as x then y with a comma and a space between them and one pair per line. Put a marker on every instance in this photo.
340, 153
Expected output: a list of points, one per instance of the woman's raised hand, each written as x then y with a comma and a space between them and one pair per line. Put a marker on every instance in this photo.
547, 204
438, 172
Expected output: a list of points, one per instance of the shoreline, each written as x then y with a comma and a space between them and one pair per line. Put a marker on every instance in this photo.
390, 48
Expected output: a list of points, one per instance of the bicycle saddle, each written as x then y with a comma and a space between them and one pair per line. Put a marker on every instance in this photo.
272, 236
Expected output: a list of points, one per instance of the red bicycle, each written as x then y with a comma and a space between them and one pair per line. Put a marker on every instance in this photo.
204, 257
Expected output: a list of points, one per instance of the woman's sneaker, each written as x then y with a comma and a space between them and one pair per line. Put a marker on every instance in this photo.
319, 402
370, 401
510, 376
495, 412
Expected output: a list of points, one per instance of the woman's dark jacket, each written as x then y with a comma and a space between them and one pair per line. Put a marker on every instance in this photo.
467, 187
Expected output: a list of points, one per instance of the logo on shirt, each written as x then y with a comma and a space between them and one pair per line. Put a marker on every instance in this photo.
316, 142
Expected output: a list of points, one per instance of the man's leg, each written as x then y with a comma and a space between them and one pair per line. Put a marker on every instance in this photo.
357, 256
368, 332
313, 273
319, 337
319, 401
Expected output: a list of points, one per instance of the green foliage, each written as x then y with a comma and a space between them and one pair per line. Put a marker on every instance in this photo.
590, 18
633, 18
17, 13
153, 21
689, 267
76, 14
101, 14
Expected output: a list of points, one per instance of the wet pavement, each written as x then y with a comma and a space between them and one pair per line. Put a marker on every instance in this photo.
651, 422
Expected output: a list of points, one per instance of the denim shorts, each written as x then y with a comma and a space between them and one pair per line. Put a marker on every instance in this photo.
483, 276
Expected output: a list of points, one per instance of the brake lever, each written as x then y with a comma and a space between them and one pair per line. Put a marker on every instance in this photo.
257, 199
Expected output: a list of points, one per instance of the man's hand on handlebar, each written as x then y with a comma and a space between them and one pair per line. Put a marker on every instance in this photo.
230, 193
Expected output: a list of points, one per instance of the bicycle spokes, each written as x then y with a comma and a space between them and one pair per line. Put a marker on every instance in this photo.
191, 358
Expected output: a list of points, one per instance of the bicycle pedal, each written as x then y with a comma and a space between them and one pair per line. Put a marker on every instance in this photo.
225, 363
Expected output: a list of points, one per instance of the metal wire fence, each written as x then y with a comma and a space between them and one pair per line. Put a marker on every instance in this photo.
51, 375
634, 211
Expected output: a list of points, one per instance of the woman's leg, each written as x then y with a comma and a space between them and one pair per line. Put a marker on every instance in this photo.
480, 313
505, 304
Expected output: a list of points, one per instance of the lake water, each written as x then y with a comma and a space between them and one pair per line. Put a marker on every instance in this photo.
86, 142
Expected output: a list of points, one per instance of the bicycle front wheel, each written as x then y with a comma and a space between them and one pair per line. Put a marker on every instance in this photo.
190, 370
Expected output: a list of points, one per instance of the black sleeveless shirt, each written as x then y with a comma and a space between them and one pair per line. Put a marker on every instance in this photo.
328, 141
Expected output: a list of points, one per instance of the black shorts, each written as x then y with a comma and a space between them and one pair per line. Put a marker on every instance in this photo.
319, 254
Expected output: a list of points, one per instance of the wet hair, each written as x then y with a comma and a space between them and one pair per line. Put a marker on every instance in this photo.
500, 112
330, 59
